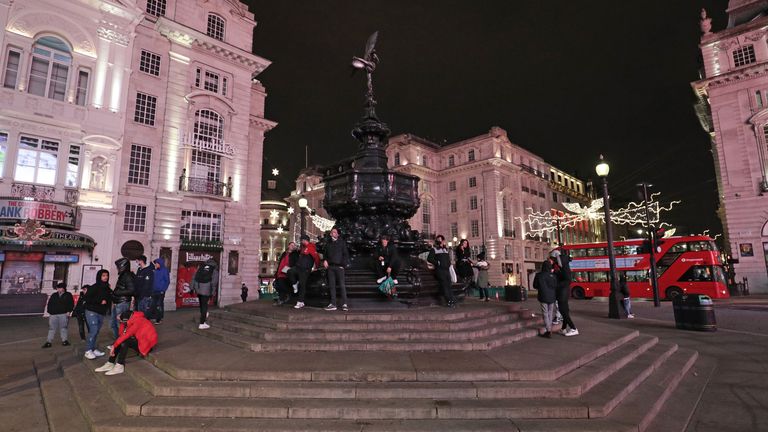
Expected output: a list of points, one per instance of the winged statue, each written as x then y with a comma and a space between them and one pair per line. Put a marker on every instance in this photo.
368, 61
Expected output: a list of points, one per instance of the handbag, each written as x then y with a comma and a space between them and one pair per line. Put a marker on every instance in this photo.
452, 271
388, 288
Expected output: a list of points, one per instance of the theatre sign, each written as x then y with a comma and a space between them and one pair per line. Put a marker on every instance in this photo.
47, 213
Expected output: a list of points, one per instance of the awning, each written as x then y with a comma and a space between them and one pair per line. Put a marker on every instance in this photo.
46, 238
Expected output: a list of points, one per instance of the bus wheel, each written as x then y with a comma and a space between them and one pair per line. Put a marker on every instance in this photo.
578, 293
673, 292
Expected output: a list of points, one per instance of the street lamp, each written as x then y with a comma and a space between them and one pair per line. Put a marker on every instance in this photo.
614, 299
303, 207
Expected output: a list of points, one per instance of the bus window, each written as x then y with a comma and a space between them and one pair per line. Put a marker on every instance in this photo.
719, 274
580, 276
596, 252
637, 275
575, 253
697, 274
699, 246
631, 250
598, 276
679, 247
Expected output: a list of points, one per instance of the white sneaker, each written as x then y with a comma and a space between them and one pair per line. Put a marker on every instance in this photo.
89, 355
109, 347
344, 307
106, 367
330, 307
571, 332
630, 316
98, 353
295, 287
203, 326
563, 332
381, 279
394, 281
118, 369
299, 305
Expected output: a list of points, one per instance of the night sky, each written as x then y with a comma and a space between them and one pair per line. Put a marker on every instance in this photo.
567, 80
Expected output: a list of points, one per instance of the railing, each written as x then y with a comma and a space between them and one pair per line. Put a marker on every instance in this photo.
207, 144
566, 190
40, 193
205, 186
534, 171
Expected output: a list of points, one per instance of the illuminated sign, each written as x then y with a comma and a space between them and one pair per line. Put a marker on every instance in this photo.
48, 213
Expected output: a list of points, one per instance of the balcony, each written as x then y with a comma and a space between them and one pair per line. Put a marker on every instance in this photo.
205, 186
534, 171
36, 192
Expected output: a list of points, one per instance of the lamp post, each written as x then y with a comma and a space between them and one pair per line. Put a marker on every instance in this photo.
614, 298
303, 207
652, 242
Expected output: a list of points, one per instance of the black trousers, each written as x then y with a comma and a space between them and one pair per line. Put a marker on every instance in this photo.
381, 270
443, 277
336, 276
81, 325
303, 275
122, 350
283, 288
562, 305
203, 299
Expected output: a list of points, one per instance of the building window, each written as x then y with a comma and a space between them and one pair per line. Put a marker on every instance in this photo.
451, 186
397, 159
135, 219
473, 182
73, 166
474, 228
507, 252
156, 7
138, 166
426, 216
206, 166
146, 106
81, 95
554, 196
224, 86
454, 230
759, 99
473, 202
471, 156
744, 55
3, 151
507, 221
12, 69
424, 160
198, 73
215, 27
453, 206
211, 82
36, 161
451, 160
51, 59
527, 252
149, 63
200, 226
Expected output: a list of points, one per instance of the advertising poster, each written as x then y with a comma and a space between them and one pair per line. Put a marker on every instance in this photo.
189, 261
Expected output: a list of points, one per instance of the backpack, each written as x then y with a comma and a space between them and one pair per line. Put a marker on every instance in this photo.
204, 274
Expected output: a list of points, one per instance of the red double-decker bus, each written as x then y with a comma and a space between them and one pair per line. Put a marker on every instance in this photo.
684, 265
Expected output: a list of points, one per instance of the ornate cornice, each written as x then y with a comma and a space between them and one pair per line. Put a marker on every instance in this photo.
112, 35
258, 64
734, 76
262, 123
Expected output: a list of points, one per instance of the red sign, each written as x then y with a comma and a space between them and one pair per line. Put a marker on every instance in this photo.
189, 261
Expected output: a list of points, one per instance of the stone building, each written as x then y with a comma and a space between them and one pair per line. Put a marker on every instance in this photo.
733, 109
275, 233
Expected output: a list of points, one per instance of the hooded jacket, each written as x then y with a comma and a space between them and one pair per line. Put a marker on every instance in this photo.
139, 327
145, 281
98, 298
60, 304
207, 288
546, 283
124, 288
308, 257
162, 277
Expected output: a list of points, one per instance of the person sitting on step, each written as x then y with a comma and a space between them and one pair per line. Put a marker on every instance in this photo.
387, 261
137, 333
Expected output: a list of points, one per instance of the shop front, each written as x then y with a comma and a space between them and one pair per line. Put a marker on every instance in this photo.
190, 258
39, 247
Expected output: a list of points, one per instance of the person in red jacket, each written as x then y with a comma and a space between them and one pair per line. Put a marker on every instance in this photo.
308, 259
136, 332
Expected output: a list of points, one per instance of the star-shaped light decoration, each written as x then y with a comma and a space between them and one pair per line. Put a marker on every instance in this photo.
275, 171
273, 214
290, 210
280, 229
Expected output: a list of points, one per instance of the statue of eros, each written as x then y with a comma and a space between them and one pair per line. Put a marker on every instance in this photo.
368, 61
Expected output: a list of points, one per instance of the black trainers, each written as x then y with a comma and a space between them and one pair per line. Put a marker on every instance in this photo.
66, 343
547, 335
47, 345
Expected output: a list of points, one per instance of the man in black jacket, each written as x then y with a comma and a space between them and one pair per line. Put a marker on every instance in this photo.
441, 260
60, 306
286, 275
335, 259
123, 292
387, 261
144, 284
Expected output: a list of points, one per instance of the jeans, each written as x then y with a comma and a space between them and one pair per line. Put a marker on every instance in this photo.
95, 322
336, 273
58, 323
203, 300
122, 350
627, 305
116, 311
547, 310
157, 307
143, 305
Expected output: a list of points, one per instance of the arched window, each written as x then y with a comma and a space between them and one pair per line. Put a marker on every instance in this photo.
51, 60
215, 27
209, 127
206, 165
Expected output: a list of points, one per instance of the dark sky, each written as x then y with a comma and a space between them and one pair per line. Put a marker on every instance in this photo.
568, 80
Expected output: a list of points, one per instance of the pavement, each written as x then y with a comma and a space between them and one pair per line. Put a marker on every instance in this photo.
735, 398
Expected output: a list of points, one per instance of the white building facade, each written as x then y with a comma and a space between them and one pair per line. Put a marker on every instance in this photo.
733, 110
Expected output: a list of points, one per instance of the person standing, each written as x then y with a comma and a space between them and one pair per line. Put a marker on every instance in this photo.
626, 302
286, 274
387, 261
162, 279
59, 308
440, 258
464, 262
308, 259
545, 283
244, 292
137, 333
79, 311
562, 266
205, 283
144, 285
123, 292
335, 260
482, 276
97, 304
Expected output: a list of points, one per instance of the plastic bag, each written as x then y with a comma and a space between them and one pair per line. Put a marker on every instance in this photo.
451, 270
388, 288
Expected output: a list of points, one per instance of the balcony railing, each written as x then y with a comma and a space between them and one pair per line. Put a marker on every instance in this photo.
40, 193
534, 171
205, 186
